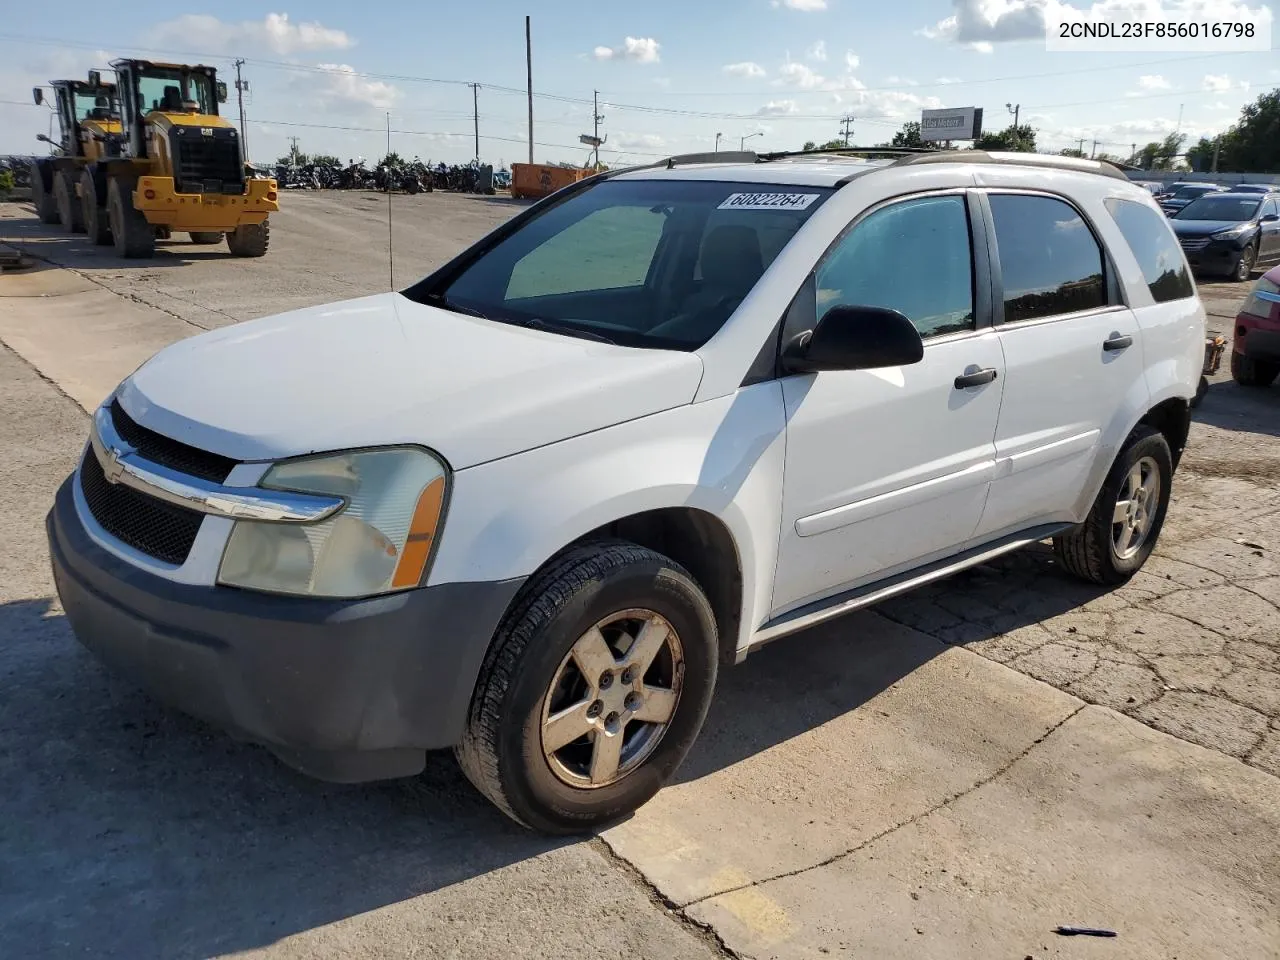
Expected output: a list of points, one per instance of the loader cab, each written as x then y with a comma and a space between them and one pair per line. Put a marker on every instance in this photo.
88, 113
165, 89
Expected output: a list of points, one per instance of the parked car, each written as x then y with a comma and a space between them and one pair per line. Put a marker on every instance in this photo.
1255, 188
526, 507
1172, 202
1153, 187
1229, 234
1255, 351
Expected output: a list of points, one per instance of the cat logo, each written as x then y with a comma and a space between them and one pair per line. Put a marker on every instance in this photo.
206, 131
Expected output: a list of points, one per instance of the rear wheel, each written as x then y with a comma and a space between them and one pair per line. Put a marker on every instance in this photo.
205, 236
64, 193
1249, 372
1122, 528
250, 239
594, 690
45, 204
96, 223
133, 237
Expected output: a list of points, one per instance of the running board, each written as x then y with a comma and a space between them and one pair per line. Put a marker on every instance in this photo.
821, 611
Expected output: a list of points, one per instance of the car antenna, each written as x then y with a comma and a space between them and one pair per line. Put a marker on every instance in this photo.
391, 257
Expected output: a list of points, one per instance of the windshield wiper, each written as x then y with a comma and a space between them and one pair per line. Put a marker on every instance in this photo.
440, 300
555, 326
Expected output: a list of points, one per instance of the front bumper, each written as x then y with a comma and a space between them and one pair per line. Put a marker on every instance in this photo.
1218, 256
342, 690
212, 212
1258, 338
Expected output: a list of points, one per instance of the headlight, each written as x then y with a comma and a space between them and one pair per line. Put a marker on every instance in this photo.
1233, 232
1263, 298
381, 541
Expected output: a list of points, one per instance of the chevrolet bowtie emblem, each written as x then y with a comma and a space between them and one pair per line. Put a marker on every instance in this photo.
113, 469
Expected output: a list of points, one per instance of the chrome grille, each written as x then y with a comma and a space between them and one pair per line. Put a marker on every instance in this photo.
158, 529
1192, 244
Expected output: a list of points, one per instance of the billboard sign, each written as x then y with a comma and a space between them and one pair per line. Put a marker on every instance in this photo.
957, 123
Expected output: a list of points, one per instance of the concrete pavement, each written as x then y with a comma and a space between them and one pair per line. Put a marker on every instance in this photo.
878, 787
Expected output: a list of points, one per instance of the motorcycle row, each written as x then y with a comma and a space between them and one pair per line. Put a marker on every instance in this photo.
413, 176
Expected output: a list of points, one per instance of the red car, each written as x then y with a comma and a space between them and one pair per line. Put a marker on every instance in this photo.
1255, 354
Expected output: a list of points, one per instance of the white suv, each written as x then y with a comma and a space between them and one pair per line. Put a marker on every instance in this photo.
527, 506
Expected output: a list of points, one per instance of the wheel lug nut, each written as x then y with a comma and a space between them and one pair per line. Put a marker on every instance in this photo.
606, 680
611, 719
632, 701
628, 675
595, 709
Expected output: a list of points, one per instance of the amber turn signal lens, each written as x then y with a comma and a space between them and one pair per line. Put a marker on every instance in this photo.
422, 534
271, 195
149, 194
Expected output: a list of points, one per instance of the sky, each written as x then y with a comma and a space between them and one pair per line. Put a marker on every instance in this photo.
670, 74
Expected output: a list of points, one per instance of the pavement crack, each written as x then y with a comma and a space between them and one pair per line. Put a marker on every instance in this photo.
40, 374
940, 805
702, 931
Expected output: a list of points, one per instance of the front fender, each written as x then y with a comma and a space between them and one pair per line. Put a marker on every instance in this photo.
724, 457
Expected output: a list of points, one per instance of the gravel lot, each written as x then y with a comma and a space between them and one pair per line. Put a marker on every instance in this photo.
138, 832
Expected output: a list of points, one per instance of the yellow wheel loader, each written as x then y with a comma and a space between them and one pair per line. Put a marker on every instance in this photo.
181, 166
89, 131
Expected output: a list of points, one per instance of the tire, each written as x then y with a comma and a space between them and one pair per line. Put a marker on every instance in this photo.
205, 236
1090, 550
45, 204
1249, 372
1243, 268
64, 194
96, 223
250, 239
133, 237
502, 751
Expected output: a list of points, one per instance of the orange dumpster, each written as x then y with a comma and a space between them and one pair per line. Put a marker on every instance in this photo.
536, 180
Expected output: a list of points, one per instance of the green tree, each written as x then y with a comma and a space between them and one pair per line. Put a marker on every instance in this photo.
1253, 144
809, 145
908, 136
1072, 152
1162, 155
1019, 139
6, 181
1200, 157
391, 160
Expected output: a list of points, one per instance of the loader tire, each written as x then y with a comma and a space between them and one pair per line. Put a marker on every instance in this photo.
46, 206
96, 224
250, 239
134, 238
64, 192
205, 236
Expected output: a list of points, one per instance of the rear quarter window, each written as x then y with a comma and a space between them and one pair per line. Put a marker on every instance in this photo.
1156, 249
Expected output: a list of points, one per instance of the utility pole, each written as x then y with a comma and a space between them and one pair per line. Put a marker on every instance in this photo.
846, 124
294, 155
1217, 147
1015, 108
241, 87
1080, 149
528, 59
475, 114
596, 118
718, 136
1178, 129
1094, 153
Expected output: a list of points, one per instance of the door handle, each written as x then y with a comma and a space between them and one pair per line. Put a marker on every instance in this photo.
977, 379
1117, 342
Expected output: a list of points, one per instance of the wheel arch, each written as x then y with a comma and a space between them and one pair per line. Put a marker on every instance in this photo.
1172, 417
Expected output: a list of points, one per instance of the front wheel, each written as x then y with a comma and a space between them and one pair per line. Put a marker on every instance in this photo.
134, 238
1249, 372
45, 203
250, 239
595, 687
1243, 268
1122, 528
64, 192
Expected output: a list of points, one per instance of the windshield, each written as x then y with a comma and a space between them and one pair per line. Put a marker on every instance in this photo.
646, 263
1186, 193
160, 89
100, 101
1220, 208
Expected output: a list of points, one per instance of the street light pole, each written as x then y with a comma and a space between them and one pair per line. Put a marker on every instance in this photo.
742, 141
718, 136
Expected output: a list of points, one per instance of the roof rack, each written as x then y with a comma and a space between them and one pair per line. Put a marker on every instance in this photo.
1103, 167
852, 151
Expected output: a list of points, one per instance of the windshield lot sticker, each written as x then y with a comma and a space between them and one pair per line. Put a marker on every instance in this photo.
768, 201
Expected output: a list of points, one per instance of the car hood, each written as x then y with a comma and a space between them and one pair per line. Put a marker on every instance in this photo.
386, 370
1202, 228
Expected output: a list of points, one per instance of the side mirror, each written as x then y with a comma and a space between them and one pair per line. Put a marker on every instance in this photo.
95, 78
42, 138
1270, 218
37, 95
855, 338
222, 91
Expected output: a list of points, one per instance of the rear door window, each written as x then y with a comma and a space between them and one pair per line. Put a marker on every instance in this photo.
1050, 262
1155, 248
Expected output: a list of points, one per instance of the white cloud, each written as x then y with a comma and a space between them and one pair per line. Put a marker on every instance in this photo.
635, 49
274, 32
897, 81
798, 75
945, 80
851, 60
637, 141
1217, 83
818, 51
339, 87
777, 108
982, 23
1153, 82
807, 6
744, 69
